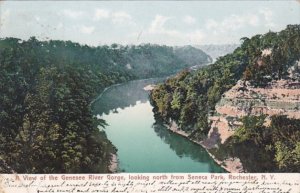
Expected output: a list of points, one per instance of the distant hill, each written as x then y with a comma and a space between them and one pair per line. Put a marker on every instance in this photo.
192, 56
148, 60
217, 50
46, 123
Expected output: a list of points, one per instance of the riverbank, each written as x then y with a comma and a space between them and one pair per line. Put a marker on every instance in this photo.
231, 165
113, 163
128, 111
104, 90
112, 98
149, 87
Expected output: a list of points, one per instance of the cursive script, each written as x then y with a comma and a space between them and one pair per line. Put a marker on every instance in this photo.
159, 183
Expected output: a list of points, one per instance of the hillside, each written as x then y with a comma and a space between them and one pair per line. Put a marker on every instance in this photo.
227, 105
157, 61
193, 56
279, 100
46, 87
216, 51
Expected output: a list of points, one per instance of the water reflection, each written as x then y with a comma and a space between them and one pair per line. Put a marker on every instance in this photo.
122, 96
143, 143
185, 148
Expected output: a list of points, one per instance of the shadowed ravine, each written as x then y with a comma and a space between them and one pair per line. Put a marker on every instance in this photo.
143, 144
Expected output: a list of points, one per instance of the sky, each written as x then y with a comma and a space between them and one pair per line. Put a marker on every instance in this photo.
174, 23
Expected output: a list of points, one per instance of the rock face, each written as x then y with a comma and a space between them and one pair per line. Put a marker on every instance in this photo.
280, 97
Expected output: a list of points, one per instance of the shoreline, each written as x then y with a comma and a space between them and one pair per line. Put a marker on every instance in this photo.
118, 84
232, 165
113, 166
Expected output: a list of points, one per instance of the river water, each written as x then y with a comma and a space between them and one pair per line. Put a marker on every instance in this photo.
143, 144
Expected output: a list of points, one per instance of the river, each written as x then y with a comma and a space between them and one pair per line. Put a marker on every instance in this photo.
143, 144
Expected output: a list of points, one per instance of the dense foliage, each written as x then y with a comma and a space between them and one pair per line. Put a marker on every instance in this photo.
189, 97
275, 54
274, 148
157, 61
46, 87
45, 120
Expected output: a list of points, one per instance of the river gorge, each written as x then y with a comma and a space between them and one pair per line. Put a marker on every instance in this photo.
144, 144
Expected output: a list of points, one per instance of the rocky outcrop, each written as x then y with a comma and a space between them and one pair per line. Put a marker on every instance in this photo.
280, 97
232, 165
113, 167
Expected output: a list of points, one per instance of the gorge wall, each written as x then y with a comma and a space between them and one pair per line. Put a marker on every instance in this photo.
279, 97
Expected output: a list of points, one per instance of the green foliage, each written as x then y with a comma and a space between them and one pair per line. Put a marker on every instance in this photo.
284, 51
46, 87
252, 129
201, 90
274, 148
148, 60
192, 56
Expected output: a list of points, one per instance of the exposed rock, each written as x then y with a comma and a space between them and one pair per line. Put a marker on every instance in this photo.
232, 165
280, 97
294, 71
113, 167
149, 87
266, 52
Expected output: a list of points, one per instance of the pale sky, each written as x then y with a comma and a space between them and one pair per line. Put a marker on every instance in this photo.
134, 22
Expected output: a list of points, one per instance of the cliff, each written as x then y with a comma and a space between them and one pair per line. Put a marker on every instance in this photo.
243, 106
279, 97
